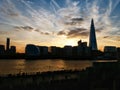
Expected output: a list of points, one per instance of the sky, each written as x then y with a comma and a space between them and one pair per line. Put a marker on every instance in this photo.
59, 22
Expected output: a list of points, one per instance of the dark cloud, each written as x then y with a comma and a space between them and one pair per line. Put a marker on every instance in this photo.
99, 29
74, 32
69, 23
74, 21
37, 30
77, 29
106, 36
41, 32
44, 33
14, 14
61, 33
77, 19
28, 28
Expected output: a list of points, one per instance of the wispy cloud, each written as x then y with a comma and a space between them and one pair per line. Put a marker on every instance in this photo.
72, 19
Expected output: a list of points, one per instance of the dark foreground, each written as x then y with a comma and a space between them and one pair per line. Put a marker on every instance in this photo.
102, 76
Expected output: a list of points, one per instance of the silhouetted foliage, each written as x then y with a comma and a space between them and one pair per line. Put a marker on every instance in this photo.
102, 76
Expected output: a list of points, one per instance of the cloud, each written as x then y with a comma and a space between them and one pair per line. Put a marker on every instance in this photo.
77, 29
74, 21
77, 33
106, 36
37, 30
113, 37
74, 16
41, 32
61, 33
77, 19
45, 33
28, 28
99, 30
74, 32
8, 9
71, 15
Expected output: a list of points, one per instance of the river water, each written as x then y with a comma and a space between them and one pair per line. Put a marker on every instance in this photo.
32, 66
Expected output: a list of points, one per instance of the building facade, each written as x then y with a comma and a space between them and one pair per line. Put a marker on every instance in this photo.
110, 52
32, 50
2, 49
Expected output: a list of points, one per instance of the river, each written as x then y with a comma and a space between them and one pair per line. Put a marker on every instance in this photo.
32, 66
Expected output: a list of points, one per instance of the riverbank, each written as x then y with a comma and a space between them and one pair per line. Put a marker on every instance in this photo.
102, 76
49, 56
13, 57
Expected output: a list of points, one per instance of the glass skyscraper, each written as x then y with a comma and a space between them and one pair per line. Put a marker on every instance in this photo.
92, 38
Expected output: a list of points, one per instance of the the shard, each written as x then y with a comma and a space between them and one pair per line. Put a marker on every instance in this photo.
92, 38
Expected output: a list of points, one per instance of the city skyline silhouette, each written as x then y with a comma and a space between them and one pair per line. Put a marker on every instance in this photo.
80, 51
59, 44
63, 23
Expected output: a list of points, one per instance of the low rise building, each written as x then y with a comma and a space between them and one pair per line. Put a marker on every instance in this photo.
32, 50
110, 52
13, 50
2, 49
118, 53
67, 50
43, 50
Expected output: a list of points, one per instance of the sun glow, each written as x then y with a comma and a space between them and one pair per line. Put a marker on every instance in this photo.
71, 42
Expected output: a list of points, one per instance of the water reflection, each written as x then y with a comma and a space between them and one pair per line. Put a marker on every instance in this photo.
106, 61
11, 66
17, 66
77, 64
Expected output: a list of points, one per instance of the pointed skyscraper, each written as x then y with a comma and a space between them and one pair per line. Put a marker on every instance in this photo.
92, 38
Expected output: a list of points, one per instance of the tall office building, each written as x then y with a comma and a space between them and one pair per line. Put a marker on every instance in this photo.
92, 38
8, 44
